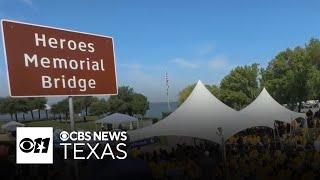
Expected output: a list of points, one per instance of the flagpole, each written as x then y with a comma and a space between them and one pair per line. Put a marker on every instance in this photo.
167, 92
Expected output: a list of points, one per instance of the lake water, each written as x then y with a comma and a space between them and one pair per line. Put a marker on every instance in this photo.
155, 111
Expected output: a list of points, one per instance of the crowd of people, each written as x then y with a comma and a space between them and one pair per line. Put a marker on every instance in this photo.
253, 157
294, 156
291, 152
313, 119
183, 161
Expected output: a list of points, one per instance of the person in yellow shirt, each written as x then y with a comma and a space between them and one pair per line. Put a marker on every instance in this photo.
308, 175
284, 173
135, 152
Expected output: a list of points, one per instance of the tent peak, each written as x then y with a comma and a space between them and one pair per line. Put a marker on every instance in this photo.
264, 92
200, 91
199, 82
200, 85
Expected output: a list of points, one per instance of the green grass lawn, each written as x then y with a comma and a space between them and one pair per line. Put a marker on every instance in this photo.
88, 125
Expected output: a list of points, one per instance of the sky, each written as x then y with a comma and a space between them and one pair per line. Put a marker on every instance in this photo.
190, 40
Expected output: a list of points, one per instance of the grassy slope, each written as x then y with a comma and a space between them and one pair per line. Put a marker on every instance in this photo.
64, 125
88, 125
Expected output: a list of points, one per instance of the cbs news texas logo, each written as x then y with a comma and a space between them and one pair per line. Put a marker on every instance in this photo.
34, 145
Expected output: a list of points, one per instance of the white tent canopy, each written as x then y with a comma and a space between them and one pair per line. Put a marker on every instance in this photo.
264, 110
12, 125
117, 118
199, 116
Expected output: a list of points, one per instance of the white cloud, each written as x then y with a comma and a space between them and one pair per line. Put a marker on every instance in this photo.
219, 62
143, 79
206, 49
31, 4
184, 63
134, 66
28, 2
134, 70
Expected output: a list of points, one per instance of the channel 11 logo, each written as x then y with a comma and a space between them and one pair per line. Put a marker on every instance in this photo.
34, 145
38, 145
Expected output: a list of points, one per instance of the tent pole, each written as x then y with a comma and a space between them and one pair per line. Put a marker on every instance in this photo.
274, 137
224, 153
290, 124
307, 129
224, 156
279, 138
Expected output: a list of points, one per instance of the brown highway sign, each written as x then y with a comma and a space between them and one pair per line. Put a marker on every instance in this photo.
47, 61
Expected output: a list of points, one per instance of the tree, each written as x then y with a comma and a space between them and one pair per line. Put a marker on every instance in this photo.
234, 99
128, 102
33, 104
240, 86
78, 104
30, 107
87, 101
99, 107
121, 102
288, 75
5, 105
215, 90
83, 103
55, 111
118, 105
37, 103
184, 94
22, 106
313, 54
2, 106
313, 83
13, 106
139, 104
61, 107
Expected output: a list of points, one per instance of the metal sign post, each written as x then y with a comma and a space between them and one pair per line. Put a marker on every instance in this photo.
72, 128
71, 113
